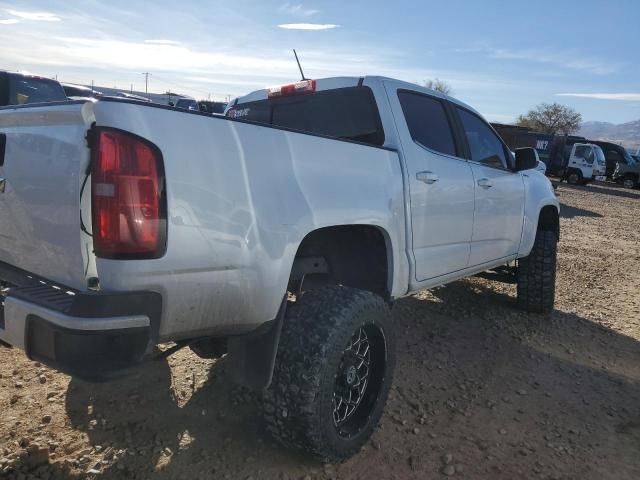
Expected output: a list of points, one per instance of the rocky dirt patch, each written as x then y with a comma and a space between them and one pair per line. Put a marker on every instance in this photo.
482, 391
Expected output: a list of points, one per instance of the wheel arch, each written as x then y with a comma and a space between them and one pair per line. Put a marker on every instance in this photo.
355, 255
549, 219
541, 214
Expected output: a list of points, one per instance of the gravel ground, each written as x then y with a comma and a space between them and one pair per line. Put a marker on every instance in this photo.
482, 391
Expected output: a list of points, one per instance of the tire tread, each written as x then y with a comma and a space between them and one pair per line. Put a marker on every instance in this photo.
316, 325
537, 274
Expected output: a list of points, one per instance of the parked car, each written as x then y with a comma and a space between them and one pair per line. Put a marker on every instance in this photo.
212, 107
21, 89
187, 104
80, 91
627, 173
131, 96
279, 233
614, 154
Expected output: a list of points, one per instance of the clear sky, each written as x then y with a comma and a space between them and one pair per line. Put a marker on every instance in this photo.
502, 57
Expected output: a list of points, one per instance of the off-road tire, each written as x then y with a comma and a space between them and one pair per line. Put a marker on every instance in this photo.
298, 406
537, 274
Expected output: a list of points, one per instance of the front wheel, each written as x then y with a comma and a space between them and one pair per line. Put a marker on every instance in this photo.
574, 178
333, 372
629, 182
537, 274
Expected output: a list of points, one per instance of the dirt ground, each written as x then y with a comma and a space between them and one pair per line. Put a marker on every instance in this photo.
480, 388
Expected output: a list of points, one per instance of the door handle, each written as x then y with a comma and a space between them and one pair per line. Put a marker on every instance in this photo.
485, 183
427, 177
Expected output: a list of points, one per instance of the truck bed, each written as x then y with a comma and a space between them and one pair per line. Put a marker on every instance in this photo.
240, 198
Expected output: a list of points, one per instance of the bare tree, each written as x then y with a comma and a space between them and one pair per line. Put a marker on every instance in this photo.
551, 118
438, 85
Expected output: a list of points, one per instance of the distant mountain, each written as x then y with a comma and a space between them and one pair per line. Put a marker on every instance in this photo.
626, 134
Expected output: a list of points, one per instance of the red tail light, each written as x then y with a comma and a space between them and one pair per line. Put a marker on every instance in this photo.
128, 201
306, 86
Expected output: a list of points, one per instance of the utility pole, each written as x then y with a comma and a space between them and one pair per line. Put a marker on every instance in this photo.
146, 81
132, 88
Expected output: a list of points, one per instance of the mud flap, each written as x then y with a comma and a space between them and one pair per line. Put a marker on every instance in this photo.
253, 356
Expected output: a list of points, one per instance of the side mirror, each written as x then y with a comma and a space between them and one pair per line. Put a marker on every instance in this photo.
526, 159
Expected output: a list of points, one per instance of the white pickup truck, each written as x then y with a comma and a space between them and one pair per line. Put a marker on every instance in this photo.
280, 234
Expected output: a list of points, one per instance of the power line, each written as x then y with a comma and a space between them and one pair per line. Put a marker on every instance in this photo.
183, 87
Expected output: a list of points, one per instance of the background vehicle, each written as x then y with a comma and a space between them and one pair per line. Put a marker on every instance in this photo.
585, 162
279, 234
627, 173
187, 104
212, 107
21, 89
552, 149
614, 154
81, 91
132, 96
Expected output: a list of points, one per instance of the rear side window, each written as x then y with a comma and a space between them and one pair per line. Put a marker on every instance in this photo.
484, 144
25, 90
613, 156
348, 113
427, 121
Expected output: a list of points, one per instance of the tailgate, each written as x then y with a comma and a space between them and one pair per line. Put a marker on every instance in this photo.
43, 168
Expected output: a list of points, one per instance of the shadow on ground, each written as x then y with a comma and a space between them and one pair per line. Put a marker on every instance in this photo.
567, 211
607, 188
508, 395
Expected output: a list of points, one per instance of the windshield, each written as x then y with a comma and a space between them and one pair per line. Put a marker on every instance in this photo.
628, 158
584, 152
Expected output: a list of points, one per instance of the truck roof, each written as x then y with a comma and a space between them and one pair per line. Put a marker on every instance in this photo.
331, 83
27, 75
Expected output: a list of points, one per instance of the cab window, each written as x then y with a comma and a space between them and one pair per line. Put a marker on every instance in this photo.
347, 113
428, 123
484, 145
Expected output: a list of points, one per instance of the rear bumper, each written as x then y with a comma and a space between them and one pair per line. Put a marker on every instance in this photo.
91, 335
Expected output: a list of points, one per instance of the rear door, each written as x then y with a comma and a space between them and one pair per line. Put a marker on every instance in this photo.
613, 158
440, 183
499, 192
